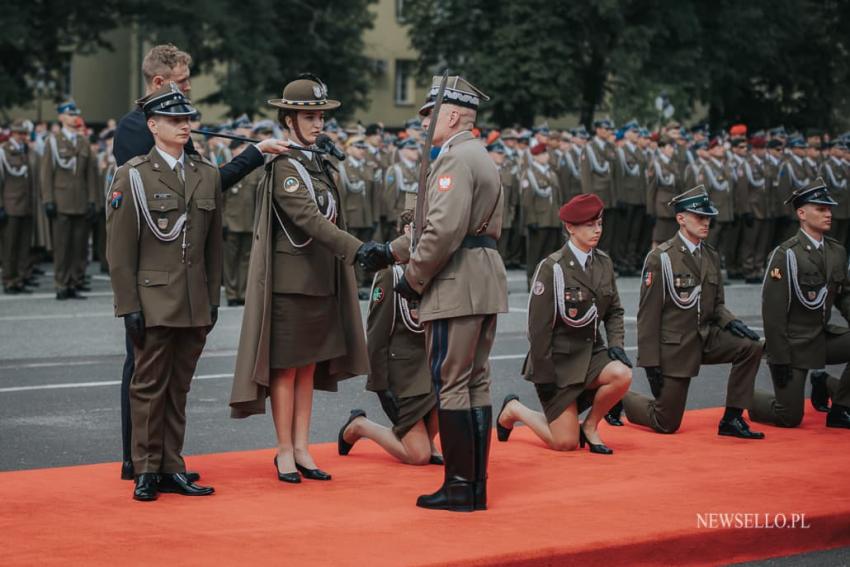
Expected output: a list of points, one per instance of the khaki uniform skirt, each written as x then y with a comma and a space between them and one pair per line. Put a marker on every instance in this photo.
411, 410
556, 400
305, 329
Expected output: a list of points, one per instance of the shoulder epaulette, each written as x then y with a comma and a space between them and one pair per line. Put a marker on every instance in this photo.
603, 254
665, 246
138, 160
709, 246
556, 256
790, 243
201, 159
831, 239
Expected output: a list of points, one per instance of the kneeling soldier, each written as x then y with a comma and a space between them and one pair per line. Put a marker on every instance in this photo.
164, 248
806, 276
683, 323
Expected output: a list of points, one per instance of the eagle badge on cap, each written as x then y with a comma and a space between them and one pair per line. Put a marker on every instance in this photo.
538, 288
290, 185
444, 183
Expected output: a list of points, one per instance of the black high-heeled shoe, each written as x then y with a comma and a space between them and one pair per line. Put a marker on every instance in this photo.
290, 477
312, 474
503, 433
599, 448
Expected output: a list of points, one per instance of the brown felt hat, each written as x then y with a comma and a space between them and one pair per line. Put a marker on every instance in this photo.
307, 92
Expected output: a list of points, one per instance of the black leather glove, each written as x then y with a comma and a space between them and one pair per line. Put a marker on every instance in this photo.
656, 382
617, 353
390, 404
749, 219
213, 315
134, 324
403, 289
374, 256
738, 328
50, 210
781, 374
3, 216
91, 214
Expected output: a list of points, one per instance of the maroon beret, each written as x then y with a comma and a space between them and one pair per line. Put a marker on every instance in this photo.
538, 149
581, 209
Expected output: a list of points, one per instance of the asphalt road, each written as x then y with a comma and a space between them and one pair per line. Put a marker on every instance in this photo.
60, 370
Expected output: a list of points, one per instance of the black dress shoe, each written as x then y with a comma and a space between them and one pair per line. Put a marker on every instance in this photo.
290, 477
192, 476
598, 448
838, 416
31, 282
38, 271
232, 302
737, 427
11, 290
613, 415
343, 447
312, 474
503, 433
82, 287
127, 472
146, 487
63, 294
22, 289
72, 294
436, 460
177, 483
820, 394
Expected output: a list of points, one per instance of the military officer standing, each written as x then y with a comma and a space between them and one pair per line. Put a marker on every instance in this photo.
755, 204
632, 195
456, 271
663, 184
794, 174
164, 247
569, 174
598, 176
359, 182
240, 202
16, 196
717, 178
540, 201
779, 220
683, 323
69, 189
807, 276
401, 181
834, 174
510, 189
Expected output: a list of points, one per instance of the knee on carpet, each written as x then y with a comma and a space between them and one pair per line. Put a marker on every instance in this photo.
789, 417
418, 457
563, 445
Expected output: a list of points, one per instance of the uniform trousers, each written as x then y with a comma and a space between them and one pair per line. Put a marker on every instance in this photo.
237, 253
541, 242
16, 249
610, 232
664, 414
99, 240
724, 238
158, 391
754, 248
634, 219
70, 249
785, 406
458, 354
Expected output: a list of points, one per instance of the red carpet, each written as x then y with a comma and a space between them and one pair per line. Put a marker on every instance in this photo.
638, 506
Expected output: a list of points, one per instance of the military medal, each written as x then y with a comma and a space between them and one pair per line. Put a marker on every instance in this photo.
812, 295
683, 295
572, 312
162, 223
677, 281
290, 185
321, 199
568, 296
538, 288
580, 295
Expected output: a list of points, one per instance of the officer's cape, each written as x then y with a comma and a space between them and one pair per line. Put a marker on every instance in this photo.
251, 378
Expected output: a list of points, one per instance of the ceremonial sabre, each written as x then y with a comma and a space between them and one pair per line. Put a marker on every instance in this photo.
253, 141
419, 213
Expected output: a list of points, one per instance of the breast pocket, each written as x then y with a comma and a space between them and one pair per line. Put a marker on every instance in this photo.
164, 212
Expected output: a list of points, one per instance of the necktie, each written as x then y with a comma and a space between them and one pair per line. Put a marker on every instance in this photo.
178, 169
697, 253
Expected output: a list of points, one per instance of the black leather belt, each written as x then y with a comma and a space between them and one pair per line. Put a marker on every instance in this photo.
479, 242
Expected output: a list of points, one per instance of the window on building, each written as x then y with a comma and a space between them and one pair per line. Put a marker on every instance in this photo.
404, 82
399, 11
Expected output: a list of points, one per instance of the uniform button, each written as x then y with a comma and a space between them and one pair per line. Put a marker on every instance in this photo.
587, 340
190, 262
147, 281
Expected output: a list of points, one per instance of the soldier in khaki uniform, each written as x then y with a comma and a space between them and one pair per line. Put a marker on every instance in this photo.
835, 175
796, 317
510, 188
683, 323
540, 199
401, 181
106, 167
632, 194
164, 247
755, 213
69, 191
457, 272
360, 184
574, 292
16, 197
717, 179
794, 174
569, 174
398, 374
240, 202
773, 161
663, 184
599, 176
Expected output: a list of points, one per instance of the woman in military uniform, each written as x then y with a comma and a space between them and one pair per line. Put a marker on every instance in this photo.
398, 374
302, 328
573, 290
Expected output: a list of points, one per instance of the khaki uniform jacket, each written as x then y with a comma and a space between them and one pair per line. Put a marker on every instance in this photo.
663, 184
321, 268
16, 192
400, 191
795, 334
547, 332
778, 208
358, 183
755, 196
671, 337
721, 189
397, 356
632, 174
592, 181
72, 190
540, 210
793, 174
240, 202
463, 189
155, 277
569, 173
834, 174
508, 175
